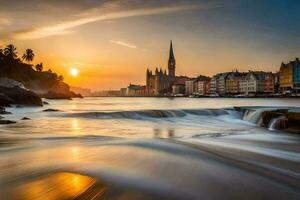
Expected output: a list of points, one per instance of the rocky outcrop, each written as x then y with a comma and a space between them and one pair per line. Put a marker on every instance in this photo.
13, 92
10, 83
268, 116
51, 110
282, 119
61, 90
5, 100
6, 121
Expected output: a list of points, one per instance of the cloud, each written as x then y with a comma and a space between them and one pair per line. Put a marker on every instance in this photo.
5, 21
125, 44
66, 26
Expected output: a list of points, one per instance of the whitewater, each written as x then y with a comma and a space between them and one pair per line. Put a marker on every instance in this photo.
149, 148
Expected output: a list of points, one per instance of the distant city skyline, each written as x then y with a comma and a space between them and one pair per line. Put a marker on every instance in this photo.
112, 43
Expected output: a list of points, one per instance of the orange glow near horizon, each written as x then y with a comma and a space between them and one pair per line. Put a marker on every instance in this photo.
112, 43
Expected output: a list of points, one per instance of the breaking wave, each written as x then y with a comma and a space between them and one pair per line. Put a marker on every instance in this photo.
248, 114
141, 114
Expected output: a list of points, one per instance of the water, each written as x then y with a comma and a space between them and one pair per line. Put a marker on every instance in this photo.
148, 148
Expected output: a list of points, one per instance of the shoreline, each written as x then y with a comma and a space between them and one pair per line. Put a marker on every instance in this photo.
208, 97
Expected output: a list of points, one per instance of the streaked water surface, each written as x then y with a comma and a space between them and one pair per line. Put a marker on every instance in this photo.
148, 148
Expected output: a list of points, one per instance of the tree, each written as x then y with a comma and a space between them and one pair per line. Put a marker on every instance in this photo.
28, 55
39, 67
10, 52
1, 55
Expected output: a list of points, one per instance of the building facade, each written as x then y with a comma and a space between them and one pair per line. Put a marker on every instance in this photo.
221, 83
269, 83
257, 83
189, 87
202, 85
178, 89
286, 77
232, 83
248, 84
213, 85
136, 90
296, 75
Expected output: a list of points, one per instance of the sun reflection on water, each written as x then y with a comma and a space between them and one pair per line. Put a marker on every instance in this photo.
60, 186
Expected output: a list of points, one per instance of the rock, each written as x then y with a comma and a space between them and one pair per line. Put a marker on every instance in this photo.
293, 121
60, 90
45, 103
22, 96
51, 110
293, 116
5, 100
288, 121
25, 118
267, 117
10, 83
3, 111
7, 122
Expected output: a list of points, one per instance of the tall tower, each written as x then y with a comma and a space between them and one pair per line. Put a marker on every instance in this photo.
171, 63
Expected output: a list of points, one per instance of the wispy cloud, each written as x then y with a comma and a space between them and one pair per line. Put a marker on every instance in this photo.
5, 21
125, 44
66, 26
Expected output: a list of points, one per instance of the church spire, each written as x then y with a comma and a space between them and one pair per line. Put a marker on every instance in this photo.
171, 56
172, 63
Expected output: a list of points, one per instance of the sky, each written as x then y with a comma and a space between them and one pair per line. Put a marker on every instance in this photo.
113, 42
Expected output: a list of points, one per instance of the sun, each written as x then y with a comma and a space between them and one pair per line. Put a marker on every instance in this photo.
74, 72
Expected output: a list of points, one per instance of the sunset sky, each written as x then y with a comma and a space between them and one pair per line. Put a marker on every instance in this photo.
112, 42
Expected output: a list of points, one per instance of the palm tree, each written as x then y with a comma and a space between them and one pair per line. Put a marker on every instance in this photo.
28, 55
10, 52
1, 55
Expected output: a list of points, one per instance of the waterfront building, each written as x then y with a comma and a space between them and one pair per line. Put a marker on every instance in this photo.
276, 82
286, 77
202, 85
269, 83
257, 82
296, 75
248, 84
213, 85
178, 88
189, 87
221, 83
232, 82
136, 90
123, 92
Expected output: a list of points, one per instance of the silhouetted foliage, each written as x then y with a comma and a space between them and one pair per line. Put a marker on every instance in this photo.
2, 56
12, 67
28, 55
10, 52
60, 78
39, 67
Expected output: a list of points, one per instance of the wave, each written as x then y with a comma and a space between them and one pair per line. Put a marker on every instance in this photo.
248, 114
141, 114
